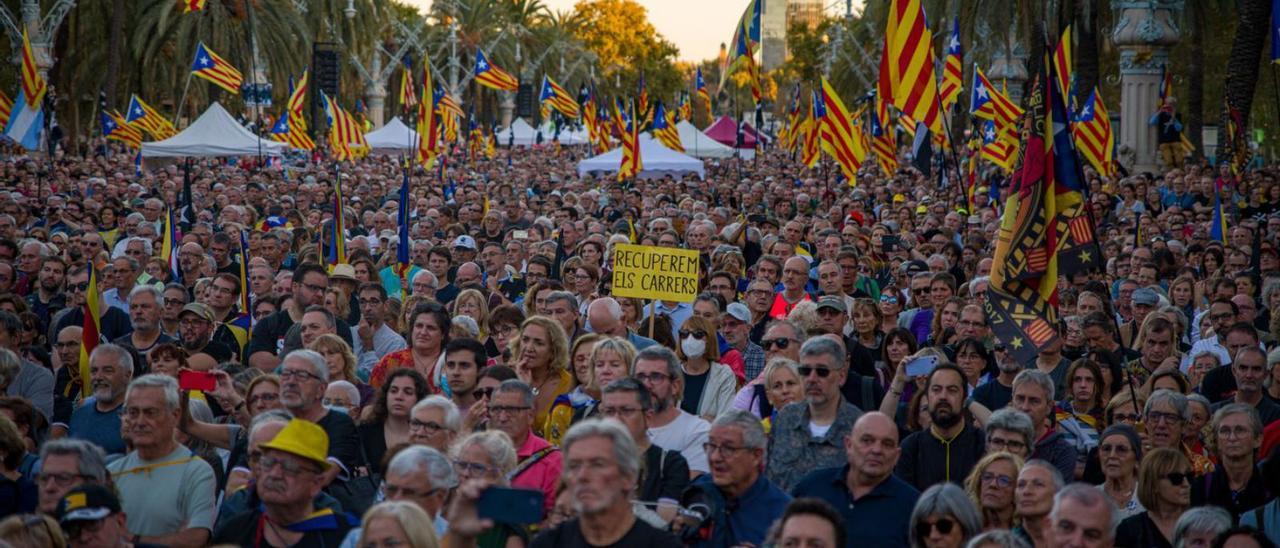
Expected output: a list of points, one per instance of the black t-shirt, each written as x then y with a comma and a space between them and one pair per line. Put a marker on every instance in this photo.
693, 386
344, 442
665, 475
993, 395
218, 351
569, 535
268, 334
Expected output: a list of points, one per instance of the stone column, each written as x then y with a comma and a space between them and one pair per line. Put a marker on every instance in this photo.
507, 109
1009, 68
1144, 31
376, 93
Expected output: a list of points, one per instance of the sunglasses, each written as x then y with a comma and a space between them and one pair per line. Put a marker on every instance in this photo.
944, 526
698, 334
1176, 478
482, 393
822, 372
780, 342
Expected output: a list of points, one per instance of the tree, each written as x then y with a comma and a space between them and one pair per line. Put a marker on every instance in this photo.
619, 33
1243, 65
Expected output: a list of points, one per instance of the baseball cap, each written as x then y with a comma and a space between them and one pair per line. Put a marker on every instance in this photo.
87, 502
832, 301
199, 309
914, 267
739, 311
464, 241
1145, 296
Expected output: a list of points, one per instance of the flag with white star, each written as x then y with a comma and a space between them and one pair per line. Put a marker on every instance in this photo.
212, 67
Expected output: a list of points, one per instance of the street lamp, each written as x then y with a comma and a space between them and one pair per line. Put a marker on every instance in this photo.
350, 10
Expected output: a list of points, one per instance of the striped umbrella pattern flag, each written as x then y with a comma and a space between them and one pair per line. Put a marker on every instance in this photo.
493, 77
33, 85
906, 64
214, 68
141, 115
1093, 135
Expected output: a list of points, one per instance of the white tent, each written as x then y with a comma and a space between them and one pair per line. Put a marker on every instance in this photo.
568, 136
214, 133
698, 145
525, 135
392, 136
658, 160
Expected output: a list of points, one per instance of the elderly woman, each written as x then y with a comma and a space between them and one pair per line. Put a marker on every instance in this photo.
1120, 451
709, 386
1011, 431
778, 385
472, 304
397, 523
1198, 527
1164, 489
1166, 413
488, 457
387, 420
342, 364
1037, 483
990, 487
541, 360
943, 517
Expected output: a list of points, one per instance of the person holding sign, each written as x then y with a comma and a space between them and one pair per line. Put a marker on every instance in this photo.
669, 276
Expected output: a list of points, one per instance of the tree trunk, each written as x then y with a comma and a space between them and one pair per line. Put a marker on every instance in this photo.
115, 42
1243, 65
1033, 33
1194, 113
1087, 50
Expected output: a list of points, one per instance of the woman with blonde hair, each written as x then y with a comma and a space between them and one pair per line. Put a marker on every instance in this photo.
337, 301
990, 486
397, 523
471, 303
540, 358
699, 356
1164, 490
342, 363
32, 530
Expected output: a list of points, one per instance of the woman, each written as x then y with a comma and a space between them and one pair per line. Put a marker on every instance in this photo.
890, 306
429, 333
167, 359
264, 306
488, 457
472, 304
1207, 361
610, 360
1199, 413
32, 530
17, 493
1166, 379
262, 394
342, 364
778, 385
1164, 489
1182, 292
709, 385
579, 401
868, 336
366, 272
337, 302
397, 523
898, 344
947, 317
632, 311
535, 297
1120, 450
587, 284
1080, 413
504, 325
387, 423
541, 359
990, 488
974, 359
590, 252
1198, 527
943, 517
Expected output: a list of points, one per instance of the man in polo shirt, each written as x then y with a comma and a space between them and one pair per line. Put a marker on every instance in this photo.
511, 411
870, 499
795, 276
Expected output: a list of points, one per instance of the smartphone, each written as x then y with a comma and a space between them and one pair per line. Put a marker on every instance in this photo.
921, 366
890, 242
520, 234
511, 506
197, 380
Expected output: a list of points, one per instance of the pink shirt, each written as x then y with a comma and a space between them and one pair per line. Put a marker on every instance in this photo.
543, 475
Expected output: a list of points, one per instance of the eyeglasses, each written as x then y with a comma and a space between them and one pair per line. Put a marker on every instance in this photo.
80, 287
289, 467
1176, 478
726, 451
697, 334
823, 372
431, 427
298, 374
472, 468
507, 409
1238, 432
781, 342
619, 411
391, 491
482, 393
62, 480
944, 527
1160, 416
1013, 445
1000, 480
265, 397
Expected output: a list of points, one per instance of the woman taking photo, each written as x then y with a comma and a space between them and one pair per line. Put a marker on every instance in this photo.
709, 386
990, 487
541, 360
388, 421
1120, 451
429, 333
1164, 489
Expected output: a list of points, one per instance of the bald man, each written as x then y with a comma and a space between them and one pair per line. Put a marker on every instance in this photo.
604, 316
467, 276
795, 276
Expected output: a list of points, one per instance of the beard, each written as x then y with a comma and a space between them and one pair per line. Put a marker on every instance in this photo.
945, 418
1009, 367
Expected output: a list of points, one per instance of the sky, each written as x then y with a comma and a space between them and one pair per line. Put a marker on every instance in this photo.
697, 27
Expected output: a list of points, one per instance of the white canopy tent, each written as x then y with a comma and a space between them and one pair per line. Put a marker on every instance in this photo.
525, 135
698, 145
394, 136
568, 136
659, 161
214, 133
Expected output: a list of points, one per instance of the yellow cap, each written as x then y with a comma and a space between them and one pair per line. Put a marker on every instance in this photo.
302, 438
921, 210
899, 198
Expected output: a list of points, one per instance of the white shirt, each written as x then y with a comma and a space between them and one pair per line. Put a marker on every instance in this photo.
686, 434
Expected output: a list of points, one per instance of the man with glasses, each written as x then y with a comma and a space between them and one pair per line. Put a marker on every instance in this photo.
1166, 415
424, 284
66, 464
759, 297
421, 476
304, 377
670, 427
310, 281
1011, 431
434, 422
196, 324
539, 462
373, 337
795, 278
289, 475
664, 473
175, 298
810, 434
1222, 314
1236, 483
782, 339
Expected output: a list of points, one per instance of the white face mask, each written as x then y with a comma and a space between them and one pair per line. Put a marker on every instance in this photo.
692, 347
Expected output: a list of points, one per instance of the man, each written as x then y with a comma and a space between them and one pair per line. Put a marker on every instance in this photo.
126, 275
604, 315
145, 305
424, 284
467, 275
1222, 314
434, 422
304, 376
1166, 413
973, 323
1011, 431
66, 464
196, 322
175, 297
921, 300
167, 492
373, 337
1220, 383
1157, 351
735, 327
1250, 370
260, 278
224, 295
782, 339
463, 360
869, 498
1082, 517
33, 382
951, 447
290, 474
31, 256
809, 522
511, 411
670, 427
1100, 332
1033, 394
48, 297
421, 476
310, 281
809, 435
759, 299
1142, 302
1236, 483
833, 314
99, 419
795, 276
665, 473
498, 278
997, 393
91, 517
744, 503
1033, 499
1051, 362
113, 323
562, 306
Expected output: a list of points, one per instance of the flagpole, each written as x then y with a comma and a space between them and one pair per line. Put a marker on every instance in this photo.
182, 102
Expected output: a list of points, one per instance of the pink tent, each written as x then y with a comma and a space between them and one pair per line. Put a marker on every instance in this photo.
725, 131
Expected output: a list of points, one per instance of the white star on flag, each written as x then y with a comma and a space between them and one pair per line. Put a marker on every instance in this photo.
982, 91
137, 111
1085, 112
204, 61
954, 46
483, 65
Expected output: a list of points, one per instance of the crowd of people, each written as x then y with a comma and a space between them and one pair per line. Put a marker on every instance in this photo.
836, 381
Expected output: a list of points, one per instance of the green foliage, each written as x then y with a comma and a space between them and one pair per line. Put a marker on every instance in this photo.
619, 33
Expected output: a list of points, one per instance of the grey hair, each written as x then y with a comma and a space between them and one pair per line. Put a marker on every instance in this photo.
10, 365
1255, 422
1091, 496
973, 284
1250, 349
1217, 361
659, 352
1058, 481
122, 245
780, 363
557, 296
417, 459
273, 416
752, 432
1200, 519
496, 444
155, 380
795, 328
624, 448
946, 499
1003, 538
452, 417
1037, 377
319, 367
154, 291
824, 346
1012, 420
516, 386
435, 283
353, 393
122, 356
91, 460
1175, 399
466, 323
611, 306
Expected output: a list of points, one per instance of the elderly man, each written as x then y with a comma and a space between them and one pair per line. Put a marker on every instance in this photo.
1236, 483
782, 339
66, 464
671, 427
795, 277
435, 422
735, 327
562, 306
511, 411
735, 450
869, 498
1033, 499
424, 284
1250, 370
167, 492
467, 275
289, 475
604, 316
1033, 395
1166, 415
759, 298
1082, 517
304, 376
98, 420
421, 476
146, 302
810, 434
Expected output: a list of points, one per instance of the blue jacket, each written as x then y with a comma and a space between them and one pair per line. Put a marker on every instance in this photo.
744, 519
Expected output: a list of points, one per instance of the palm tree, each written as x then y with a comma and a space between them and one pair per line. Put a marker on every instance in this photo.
1243, 65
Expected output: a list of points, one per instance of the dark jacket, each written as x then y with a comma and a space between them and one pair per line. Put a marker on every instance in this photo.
1059, 452
927, 460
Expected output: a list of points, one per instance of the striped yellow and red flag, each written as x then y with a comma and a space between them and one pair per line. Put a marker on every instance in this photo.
6, 109
189, 6
33, 85
988, 103
408, 96
428, 121
297, 97
490, 76
906, 64
1062, 66
810, 147
883, 142
114, 128
952, 70
1093, 135
632, 164
141, 115
664, 128
89, 338
214, 68
842, 137
346, 141
558, 98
